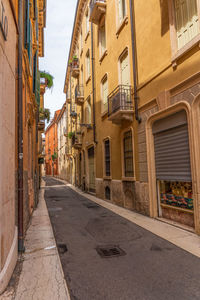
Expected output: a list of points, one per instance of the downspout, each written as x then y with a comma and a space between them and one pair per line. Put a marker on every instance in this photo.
20, 131
93, 85
134, 60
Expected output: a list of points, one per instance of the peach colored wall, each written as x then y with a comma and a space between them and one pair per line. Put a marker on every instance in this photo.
7, 137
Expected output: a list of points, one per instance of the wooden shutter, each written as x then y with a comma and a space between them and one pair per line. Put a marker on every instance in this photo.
105, 94
187, 23
172, 153
125, 73
27, 24
120, 11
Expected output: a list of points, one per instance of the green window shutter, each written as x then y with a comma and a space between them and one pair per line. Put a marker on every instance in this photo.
38, 88
27, 24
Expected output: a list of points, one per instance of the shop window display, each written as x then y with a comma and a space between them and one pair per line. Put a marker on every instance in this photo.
176, 194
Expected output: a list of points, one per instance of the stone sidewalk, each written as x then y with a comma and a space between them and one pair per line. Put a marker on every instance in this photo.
39, 274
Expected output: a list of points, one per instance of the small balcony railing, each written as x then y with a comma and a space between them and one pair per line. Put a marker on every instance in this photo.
120, 104
41, 126
79, 94
97, 9
75, 68
73, 112
77, 141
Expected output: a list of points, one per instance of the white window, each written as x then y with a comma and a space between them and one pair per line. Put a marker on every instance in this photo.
88, 111
121, 10
87, 65
87, 24
104, 94
187, 22
102, 39
124, 69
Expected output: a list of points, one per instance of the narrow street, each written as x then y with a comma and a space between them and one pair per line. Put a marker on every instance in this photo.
147, 268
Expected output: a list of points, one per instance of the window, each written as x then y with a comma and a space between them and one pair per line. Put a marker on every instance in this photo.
107, 157
124, 69
102, 39
104, 94
81, 40
87, 22
87, 65
121, 10
88, 111
187, 22
128, 154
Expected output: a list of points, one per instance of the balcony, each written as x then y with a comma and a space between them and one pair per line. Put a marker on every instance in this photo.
79, 94
97, 9
41, 126
77, 141
120, 104
75, 67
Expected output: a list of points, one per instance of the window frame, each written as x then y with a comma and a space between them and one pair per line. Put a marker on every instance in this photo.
105, 176
104, 79
88, 67
102, 51
124, 177
177, 53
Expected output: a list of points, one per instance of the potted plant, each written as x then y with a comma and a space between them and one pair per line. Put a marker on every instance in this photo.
48, 79
71, 134
75, 62
44, 114
54, 156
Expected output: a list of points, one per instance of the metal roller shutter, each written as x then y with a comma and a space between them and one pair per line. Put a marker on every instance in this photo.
172, 154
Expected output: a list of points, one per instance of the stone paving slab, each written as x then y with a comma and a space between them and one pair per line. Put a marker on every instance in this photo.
41, 276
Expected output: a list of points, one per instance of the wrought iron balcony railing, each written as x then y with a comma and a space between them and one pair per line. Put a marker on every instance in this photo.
79, 94
120, 103
97, 9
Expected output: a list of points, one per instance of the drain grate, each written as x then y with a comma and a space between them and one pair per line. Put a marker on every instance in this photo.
110, 251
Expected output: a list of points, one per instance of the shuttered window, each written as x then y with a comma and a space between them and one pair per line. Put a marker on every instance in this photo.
102, 39
128, 154
124, 68
87, 65
172, 153
104, 87
107, 157
187, 22
122, 10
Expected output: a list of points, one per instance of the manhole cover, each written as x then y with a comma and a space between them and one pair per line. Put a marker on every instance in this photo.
62, 248
110, 251
92, 205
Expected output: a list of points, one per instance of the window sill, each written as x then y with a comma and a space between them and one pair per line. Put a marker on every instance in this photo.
121, 26
128, 179
195, 41
86, 37
103, 56
107, 177
89, 78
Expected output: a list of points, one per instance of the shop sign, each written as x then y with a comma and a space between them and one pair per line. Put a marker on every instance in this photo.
3, 21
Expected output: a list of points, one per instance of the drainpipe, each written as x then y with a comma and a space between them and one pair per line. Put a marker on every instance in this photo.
134, 59
93, 85
20, 131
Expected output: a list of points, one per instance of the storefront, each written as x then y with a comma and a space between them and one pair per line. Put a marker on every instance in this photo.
173, 168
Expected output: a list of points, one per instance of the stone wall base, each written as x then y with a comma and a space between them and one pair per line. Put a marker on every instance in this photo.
9, 266
129, 194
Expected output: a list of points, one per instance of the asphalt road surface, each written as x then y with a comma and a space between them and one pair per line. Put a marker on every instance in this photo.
145, 267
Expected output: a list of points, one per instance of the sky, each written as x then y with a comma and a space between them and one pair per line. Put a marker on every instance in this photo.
57, 38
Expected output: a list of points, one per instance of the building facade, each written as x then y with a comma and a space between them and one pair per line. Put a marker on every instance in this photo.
133, 105
8, 107
51, 147
62, 148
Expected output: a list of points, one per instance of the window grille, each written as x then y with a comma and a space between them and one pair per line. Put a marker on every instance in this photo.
107, 157
128, 154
